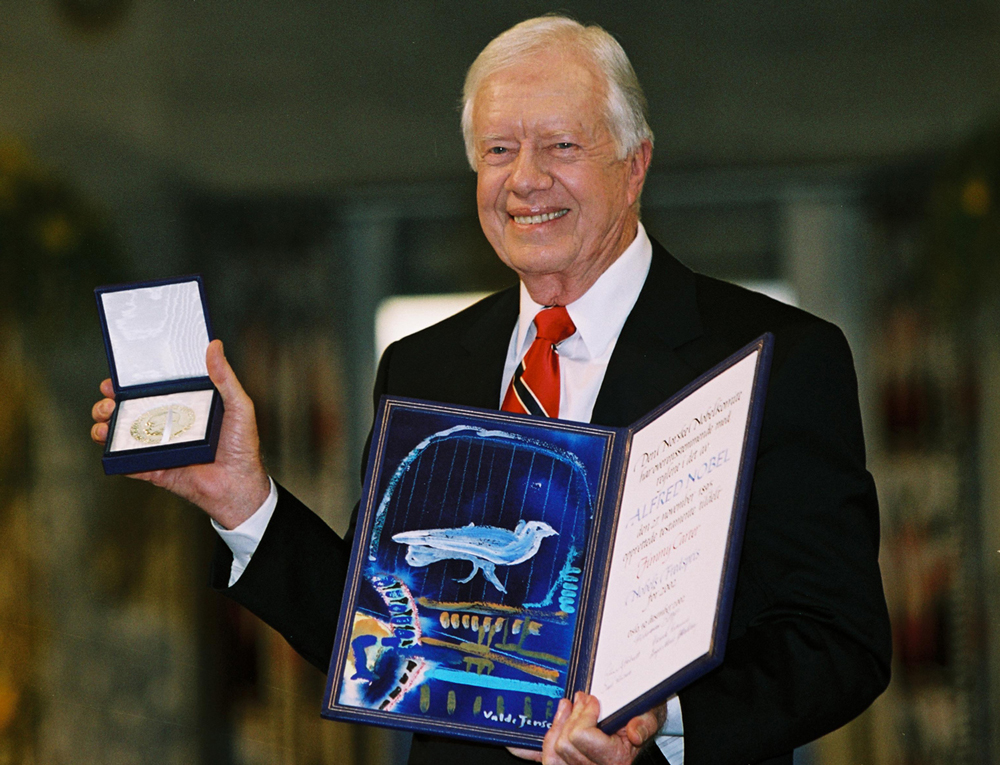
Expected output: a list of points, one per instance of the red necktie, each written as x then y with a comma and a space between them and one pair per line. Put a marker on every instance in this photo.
534, 388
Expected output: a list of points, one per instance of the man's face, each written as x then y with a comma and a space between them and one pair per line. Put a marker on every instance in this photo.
554, 200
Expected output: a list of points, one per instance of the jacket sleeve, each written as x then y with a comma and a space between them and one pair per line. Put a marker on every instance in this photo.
809, 646
297, 575
295, 579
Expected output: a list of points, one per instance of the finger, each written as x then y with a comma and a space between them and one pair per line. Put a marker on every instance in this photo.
525, 754
102, 410
580, 741
222, 374
586, 711
107, 388
550, 743
99, 432
642, 728
155, 477
561, 716
562, 712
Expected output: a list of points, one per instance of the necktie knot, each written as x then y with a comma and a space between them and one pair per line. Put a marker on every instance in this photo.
553, 324
534, 389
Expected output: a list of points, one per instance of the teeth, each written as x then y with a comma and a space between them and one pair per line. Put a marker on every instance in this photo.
539, 218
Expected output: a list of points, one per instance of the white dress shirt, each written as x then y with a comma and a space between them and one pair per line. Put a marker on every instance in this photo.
599, 316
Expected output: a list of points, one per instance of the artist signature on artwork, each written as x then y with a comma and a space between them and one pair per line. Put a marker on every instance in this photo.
520, 721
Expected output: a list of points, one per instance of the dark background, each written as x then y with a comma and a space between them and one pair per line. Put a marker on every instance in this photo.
306, 159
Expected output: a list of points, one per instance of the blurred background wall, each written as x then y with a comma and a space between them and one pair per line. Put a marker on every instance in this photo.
305, 158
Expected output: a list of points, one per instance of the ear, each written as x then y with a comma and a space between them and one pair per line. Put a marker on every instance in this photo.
638, 166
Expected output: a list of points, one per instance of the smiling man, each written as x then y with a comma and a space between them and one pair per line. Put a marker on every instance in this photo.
555, 127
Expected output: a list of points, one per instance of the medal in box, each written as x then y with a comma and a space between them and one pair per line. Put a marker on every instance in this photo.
168, 414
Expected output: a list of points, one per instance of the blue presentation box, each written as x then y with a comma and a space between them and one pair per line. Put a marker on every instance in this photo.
168, 413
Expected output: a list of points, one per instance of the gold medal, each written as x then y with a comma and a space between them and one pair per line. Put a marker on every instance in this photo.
159, 425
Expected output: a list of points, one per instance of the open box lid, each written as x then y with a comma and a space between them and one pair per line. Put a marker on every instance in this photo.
155, 332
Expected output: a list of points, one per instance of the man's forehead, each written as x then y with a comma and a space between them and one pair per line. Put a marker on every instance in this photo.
555, 72
552, 91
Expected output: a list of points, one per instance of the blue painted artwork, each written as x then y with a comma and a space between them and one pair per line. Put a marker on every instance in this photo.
469, 592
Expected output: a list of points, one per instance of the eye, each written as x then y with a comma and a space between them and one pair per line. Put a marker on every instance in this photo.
565, 145
497, 150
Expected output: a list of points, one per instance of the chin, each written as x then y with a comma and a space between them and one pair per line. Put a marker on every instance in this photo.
538, 259
538, 266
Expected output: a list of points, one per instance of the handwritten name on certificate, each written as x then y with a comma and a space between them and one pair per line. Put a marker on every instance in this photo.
672, 537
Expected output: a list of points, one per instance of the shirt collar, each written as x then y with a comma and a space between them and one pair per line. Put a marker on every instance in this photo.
600, 313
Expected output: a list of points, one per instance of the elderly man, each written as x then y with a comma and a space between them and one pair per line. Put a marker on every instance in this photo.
555, 128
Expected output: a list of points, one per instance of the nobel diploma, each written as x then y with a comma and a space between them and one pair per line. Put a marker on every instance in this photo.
669, 553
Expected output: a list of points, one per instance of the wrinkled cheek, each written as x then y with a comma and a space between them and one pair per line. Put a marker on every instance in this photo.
491, 215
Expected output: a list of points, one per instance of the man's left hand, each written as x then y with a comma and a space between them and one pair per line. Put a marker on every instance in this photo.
575, 739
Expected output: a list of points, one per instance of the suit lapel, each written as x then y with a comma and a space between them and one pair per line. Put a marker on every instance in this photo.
475, 374
645, 369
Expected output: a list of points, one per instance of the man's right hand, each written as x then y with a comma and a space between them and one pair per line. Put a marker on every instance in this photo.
230, 489
575, 739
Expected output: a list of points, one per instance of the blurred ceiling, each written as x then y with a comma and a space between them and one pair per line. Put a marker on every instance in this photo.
252, 94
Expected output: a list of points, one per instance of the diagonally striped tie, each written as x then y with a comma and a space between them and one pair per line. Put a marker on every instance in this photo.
534, 388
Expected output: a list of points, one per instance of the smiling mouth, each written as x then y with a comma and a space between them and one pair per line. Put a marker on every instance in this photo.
543, 218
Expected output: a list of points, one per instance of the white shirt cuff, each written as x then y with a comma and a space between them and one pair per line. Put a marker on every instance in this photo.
243, 540
670, 739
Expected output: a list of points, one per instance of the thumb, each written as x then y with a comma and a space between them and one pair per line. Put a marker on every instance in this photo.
641, 728
221, 374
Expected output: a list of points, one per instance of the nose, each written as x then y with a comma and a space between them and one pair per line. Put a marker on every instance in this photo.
528, 173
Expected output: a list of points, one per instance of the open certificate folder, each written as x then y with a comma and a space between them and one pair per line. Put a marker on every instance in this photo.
502, 562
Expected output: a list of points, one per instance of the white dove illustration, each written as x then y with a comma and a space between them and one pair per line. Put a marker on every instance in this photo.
484, 546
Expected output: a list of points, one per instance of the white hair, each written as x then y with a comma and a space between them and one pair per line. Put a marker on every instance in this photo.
625, 109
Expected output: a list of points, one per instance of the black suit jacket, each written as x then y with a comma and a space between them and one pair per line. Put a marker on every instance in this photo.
809, 642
